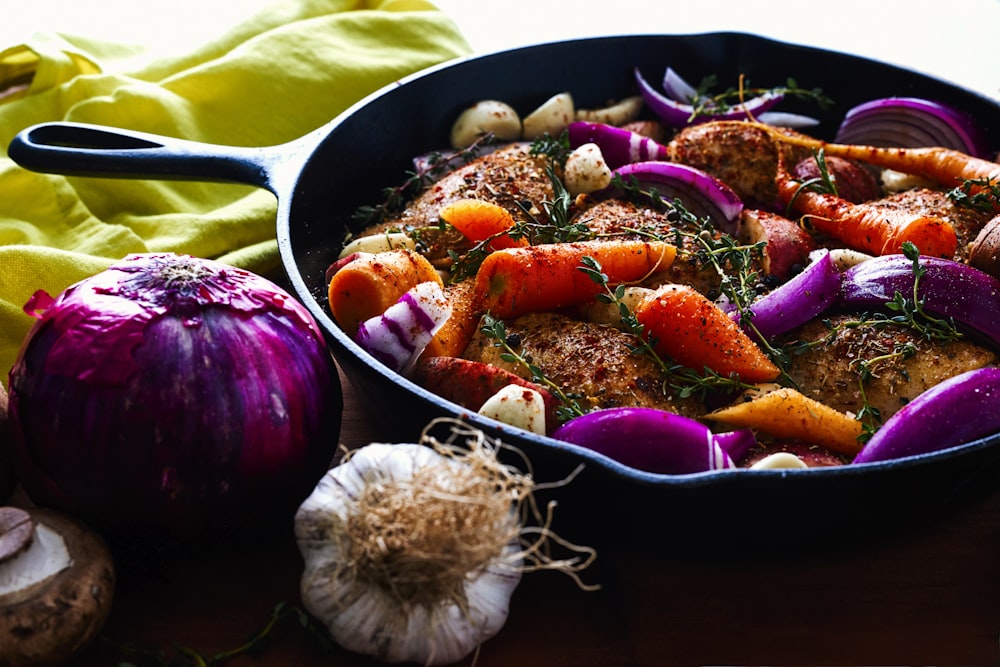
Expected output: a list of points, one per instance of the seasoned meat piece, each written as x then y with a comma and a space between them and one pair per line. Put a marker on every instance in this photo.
740, 154
829, 371
505, 177
591, 360
616, 218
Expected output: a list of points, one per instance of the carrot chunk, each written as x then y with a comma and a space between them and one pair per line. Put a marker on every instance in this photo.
479, 220
535, 279
687, 327
371, 282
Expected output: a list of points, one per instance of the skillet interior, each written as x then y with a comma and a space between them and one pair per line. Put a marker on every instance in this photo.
370, 147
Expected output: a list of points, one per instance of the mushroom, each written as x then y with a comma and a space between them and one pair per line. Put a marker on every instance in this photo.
57, 580
7, 480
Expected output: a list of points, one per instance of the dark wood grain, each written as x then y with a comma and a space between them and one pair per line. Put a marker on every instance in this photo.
931, 596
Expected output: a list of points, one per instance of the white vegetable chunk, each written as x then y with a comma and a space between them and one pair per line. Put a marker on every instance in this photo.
551, 118
624, 111
518, 406
486, 116
779, 461
378, 243
586, 170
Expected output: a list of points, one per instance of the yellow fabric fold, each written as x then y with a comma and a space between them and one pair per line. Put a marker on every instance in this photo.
270, 79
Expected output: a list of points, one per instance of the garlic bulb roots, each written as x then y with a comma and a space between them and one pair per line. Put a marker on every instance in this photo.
412, 551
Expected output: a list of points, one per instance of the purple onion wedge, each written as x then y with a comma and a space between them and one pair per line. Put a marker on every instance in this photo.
618, 146
947, 288
912, 122
699, 192
681, 114
655, 440
799, 300
959, 410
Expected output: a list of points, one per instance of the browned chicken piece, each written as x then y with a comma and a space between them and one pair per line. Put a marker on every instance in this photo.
591, 360
507, 177
829, 372
616, 218
740, 154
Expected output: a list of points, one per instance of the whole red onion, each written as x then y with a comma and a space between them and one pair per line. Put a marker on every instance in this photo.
173, 393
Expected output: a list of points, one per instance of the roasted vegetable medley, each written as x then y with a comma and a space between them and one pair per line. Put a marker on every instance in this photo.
686, 281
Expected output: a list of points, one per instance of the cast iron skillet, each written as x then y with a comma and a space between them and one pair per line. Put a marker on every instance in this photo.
323, 177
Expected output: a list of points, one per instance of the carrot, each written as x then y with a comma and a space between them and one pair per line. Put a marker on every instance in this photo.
867, 226
367, 284
946, 166
788, 414
515, 281
453, 337
686, 326
479, 220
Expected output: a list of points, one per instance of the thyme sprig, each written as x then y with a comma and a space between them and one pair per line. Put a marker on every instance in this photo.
978, 194
496, 330
436, 164
824, 183
706, 103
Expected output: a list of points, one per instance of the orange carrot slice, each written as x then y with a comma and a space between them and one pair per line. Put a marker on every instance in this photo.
687, 327
371, 282
479, 220
535, 279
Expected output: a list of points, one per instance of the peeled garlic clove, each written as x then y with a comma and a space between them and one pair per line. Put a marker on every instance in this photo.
551, 118
486, 116
624, 111
378, 243
586, 170
518, 406
779, 460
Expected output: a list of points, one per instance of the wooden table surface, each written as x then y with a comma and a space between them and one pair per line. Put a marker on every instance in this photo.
926, 597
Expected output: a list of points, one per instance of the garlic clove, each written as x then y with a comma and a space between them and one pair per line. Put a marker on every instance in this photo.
778, 461
518, 406
377, 243
552, 117
486, 116
617, 114
586, 170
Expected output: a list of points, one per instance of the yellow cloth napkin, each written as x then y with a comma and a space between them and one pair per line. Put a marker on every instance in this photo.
282, 73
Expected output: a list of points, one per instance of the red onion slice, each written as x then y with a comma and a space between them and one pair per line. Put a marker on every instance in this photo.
799, 300
618, 146
655, 440
912, 122
699, 192
680, 114
954, 412
947, 288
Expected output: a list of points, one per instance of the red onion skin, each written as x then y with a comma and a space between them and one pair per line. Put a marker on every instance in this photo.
135, 407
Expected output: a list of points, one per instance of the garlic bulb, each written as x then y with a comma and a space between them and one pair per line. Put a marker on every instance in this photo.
411, 551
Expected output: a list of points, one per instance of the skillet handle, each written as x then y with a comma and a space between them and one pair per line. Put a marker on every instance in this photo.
79, 149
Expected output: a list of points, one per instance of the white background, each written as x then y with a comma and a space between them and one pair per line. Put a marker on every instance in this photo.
958, 40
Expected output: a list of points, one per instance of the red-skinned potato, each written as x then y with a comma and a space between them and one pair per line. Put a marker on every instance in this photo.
471, 383
788, 245
984, 252
854, 182
57, 581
